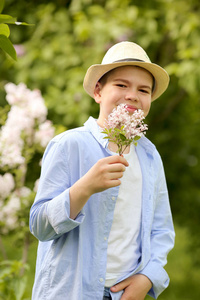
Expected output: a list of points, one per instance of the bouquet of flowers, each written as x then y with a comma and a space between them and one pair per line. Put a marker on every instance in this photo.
123, 128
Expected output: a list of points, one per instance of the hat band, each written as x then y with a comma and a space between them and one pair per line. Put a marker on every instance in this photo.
135, 59
128, 59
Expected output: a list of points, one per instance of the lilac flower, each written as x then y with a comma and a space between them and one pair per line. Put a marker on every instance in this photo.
26, 124
45, 133
20, 50
7, 184
123, 128
26, 131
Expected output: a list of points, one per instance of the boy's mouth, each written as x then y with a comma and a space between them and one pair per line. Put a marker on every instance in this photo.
131, 108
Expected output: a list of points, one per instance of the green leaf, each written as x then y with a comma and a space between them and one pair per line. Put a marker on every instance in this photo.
6, 45
117, 129
19, 286
23, 23
122, 137
113, 141
10, 20
105, 131
2, 2
136, 138
4, 29
7, 19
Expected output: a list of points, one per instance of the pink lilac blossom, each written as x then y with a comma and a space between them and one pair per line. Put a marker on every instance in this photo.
123, 128
20, 50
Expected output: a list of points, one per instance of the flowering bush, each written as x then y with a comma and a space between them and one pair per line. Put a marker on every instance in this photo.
123, 128
25, 133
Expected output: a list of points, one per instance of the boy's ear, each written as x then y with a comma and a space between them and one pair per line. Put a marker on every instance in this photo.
97, 92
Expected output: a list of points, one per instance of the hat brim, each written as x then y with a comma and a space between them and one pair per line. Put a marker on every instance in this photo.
95, 72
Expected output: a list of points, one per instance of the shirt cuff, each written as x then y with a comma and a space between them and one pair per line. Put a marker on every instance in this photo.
158, 276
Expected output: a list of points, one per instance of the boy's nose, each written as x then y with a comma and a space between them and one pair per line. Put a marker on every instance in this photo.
132, 95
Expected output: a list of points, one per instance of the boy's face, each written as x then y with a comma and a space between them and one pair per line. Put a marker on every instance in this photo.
129, 85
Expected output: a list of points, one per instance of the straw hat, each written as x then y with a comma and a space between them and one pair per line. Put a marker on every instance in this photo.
123, 54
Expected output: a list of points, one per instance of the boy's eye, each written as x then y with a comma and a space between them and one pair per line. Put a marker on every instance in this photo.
121, 85
144, 91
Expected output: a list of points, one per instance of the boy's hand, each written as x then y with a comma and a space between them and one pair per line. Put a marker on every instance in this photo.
136, 287
103, 175
106, 173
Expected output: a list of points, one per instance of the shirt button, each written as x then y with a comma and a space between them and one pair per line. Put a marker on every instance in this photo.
105, 238
113, 198
101, 279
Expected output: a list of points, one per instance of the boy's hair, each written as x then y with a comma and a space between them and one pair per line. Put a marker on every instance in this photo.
124, 54
104, 78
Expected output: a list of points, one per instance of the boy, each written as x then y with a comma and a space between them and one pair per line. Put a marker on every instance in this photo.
104, 220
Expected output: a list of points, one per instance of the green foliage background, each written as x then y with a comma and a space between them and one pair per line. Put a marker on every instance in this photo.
69, 36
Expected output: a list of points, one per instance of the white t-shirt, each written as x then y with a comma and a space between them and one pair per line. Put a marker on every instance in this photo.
123, 244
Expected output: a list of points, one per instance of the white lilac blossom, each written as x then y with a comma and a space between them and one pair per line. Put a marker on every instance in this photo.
25, 132
123, 128
31, 101
9, 211
36, 108
16, 94
45, 133
11, 143
26, 124
7, 184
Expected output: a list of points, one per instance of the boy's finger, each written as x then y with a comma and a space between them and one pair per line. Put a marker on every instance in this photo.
121, 285
118, 159
116, 175
117, 168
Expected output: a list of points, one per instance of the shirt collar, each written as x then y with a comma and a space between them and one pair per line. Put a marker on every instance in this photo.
93, 127
147, 145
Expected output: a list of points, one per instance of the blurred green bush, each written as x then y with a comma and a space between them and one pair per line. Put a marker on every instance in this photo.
70, 35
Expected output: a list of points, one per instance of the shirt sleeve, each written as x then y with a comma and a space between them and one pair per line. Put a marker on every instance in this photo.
49, 215
162, 236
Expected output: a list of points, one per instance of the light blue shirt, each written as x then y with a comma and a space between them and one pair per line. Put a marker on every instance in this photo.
71, 258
